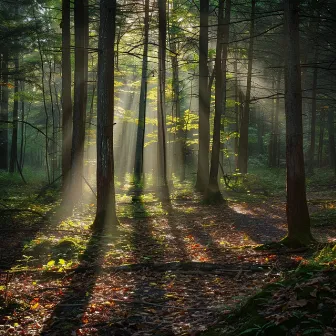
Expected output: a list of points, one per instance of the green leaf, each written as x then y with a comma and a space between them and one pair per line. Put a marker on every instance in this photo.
51, 263
61, 261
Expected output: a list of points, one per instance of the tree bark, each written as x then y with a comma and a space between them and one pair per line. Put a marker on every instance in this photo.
203, 101
276, 135
321, 139
243, 140
4, 111
22, 126
331, 138
106, 217
13, 154
179, 158
296, 208
310, 169
161, 104
213, 194
79, 108
140, 140
66, 95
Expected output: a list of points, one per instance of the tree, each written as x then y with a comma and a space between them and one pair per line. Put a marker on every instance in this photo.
243, 140
273, 160
213, 194
296, 208
4, 111
14, 143
140, 140
161, 103
331, 138
66, 94
106, 217
79, 108
203, 100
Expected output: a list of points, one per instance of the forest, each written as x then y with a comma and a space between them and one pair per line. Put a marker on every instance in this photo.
167, 167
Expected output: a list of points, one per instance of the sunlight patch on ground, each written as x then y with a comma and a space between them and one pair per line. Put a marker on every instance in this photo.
241, 209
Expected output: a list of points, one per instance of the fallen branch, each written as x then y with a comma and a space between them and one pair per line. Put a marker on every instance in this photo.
146, 303
159, 267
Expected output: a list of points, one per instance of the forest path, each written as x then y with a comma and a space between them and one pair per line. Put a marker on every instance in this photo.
171, 271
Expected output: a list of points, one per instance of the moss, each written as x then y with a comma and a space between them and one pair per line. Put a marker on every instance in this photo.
297, 242
38, 248
214, 198
67, 248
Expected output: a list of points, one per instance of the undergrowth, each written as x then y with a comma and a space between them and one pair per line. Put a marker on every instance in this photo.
301, 304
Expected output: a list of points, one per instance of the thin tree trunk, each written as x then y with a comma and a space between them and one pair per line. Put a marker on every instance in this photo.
313, 118
4, 111
321, 139
331, 138
140, 140
270, 146
203, 101
276, 140
106, 217
243, 140
161, 104
213, 194
53, 118
297, 211
178, 158
236, 111
79, 109
66, 95
13, 155
22, 125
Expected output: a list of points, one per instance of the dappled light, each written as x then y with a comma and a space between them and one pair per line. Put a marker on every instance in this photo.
167, 168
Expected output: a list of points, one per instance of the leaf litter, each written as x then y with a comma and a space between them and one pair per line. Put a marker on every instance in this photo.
166, 274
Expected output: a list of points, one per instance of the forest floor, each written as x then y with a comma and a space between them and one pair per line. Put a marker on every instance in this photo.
172, 270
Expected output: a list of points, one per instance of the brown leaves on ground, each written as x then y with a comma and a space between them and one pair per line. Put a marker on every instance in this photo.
98, 298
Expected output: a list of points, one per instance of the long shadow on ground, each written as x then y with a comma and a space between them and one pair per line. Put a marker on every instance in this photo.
69, 314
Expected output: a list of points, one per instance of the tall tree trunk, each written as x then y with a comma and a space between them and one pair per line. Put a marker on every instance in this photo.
243, 140
106, 212
140, 140
313, 118
4, 112
66, 95
54, 126
13, 155
331, 138
321, 139
161, 103
276, 134
213, 194
297, 211
23, 126
79, 109
179, 159
203, 101
270, 145
236, 110
260, 126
